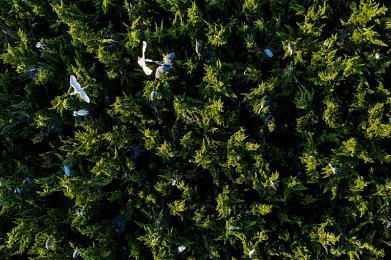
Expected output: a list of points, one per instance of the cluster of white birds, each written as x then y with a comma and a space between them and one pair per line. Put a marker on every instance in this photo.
164, 66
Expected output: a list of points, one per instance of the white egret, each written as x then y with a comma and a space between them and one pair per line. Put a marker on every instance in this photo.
141, 60
76, 254
290, 49
333, 169
78, 89
49, 243
181, 248
251, 253
79, 212
166, 65
153, 95
39, 45
198, 46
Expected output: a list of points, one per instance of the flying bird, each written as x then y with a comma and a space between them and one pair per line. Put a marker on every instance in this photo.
141, 60
165, 65
78, 89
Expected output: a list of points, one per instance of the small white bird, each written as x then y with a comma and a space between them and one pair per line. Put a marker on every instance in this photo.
153, 95
198, 46
268, 53
290, 49
377, 56
166, 65
333, 169
49, 243
81, 112
78, 89
17, 191
181, 248
263, 106
79, 212
76, 254
233, 229
141, 60
174, 182
39, 45
251, 253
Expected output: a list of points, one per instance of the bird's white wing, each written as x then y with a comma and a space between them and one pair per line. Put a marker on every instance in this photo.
74, 83
83, 112
159, 71
84, 96
141, 62
147, 70
169, 58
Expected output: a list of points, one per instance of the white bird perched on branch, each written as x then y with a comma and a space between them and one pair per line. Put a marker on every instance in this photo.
181, 248
78, 89
48, 243
290, 49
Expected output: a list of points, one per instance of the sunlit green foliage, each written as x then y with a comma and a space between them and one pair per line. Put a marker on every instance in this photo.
238, 155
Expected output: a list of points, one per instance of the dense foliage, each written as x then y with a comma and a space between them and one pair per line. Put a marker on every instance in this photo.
269, 139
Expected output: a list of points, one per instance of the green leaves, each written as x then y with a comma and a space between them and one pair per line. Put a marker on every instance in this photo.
237, 155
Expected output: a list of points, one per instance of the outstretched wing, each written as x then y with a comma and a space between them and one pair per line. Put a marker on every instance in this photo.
74, 83
84, 96
161, 69
169, 58
141, 62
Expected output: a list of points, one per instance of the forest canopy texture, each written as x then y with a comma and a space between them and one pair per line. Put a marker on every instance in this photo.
207, 129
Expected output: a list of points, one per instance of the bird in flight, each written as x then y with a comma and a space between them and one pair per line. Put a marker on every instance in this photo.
77, 89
